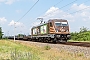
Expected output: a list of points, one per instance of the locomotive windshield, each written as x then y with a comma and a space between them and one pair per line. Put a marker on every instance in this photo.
61, 23
64, 23
58, 23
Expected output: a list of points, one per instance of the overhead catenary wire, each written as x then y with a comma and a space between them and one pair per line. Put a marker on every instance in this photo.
58, 2
28, 10
79, 10
53, 5
83, 2
61, 7
68, 4
24, 15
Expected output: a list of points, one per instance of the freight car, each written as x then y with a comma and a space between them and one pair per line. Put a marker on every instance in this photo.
21, 37
55, 30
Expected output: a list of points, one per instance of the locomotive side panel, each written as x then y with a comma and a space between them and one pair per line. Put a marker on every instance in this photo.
40, 30
34, 31
44, 29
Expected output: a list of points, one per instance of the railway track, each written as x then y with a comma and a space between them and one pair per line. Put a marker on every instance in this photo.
82, 44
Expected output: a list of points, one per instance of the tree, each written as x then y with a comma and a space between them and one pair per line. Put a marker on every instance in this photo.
1, 33
82, 35
83, 29
20, 35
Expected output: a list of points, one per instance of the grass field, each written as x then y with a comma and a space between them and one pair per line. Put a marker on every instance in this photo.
10, 50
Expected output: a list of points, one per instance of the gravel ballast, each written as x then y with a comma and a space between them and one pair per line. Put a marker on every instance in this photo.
72, 49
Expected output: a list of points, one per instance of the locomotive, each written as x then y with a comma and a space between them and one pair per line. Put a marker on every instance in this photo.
55, 30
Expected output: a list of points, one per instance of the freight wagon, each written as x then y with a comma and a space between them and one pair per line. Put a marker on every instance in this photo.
55, 30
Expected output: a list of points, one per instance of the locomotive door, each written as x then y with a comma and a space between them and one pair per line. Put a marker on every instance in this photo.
51, 28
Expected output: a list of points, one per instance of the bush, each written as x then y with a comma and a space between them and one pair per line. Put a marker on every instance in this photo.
81, 36
47, 47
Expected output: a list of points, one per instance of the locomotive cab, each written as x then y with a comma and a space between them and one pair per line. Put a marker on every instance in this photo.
60, 29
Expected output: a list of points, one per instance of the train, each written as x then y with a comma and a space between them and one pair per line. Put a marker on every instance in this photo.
54, 30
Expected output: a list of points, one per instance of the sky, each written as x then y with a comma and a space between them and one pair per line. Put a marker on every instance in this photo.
14, 18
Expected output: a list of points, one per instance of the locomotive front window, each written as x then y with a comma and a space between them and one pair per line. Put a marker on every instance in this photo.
58, 23
64, 23
61, 23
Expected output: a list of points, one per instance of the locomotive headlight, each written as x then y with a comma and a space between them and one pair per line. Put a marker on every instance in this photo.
58, 36
63, 30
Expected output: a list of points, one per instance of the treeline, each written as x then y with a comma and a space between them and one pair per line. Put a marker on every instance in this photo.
1, 33
82, 35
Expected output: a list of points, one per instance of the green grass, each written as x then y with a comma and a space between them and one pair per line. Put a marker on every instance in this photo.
10, 50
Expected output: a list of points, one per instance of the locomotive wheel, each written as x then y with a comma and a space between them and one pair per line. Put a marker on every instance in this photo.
62, 41
49, 39
34, 39
45, 40
39, 39
42, 39
54, 40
